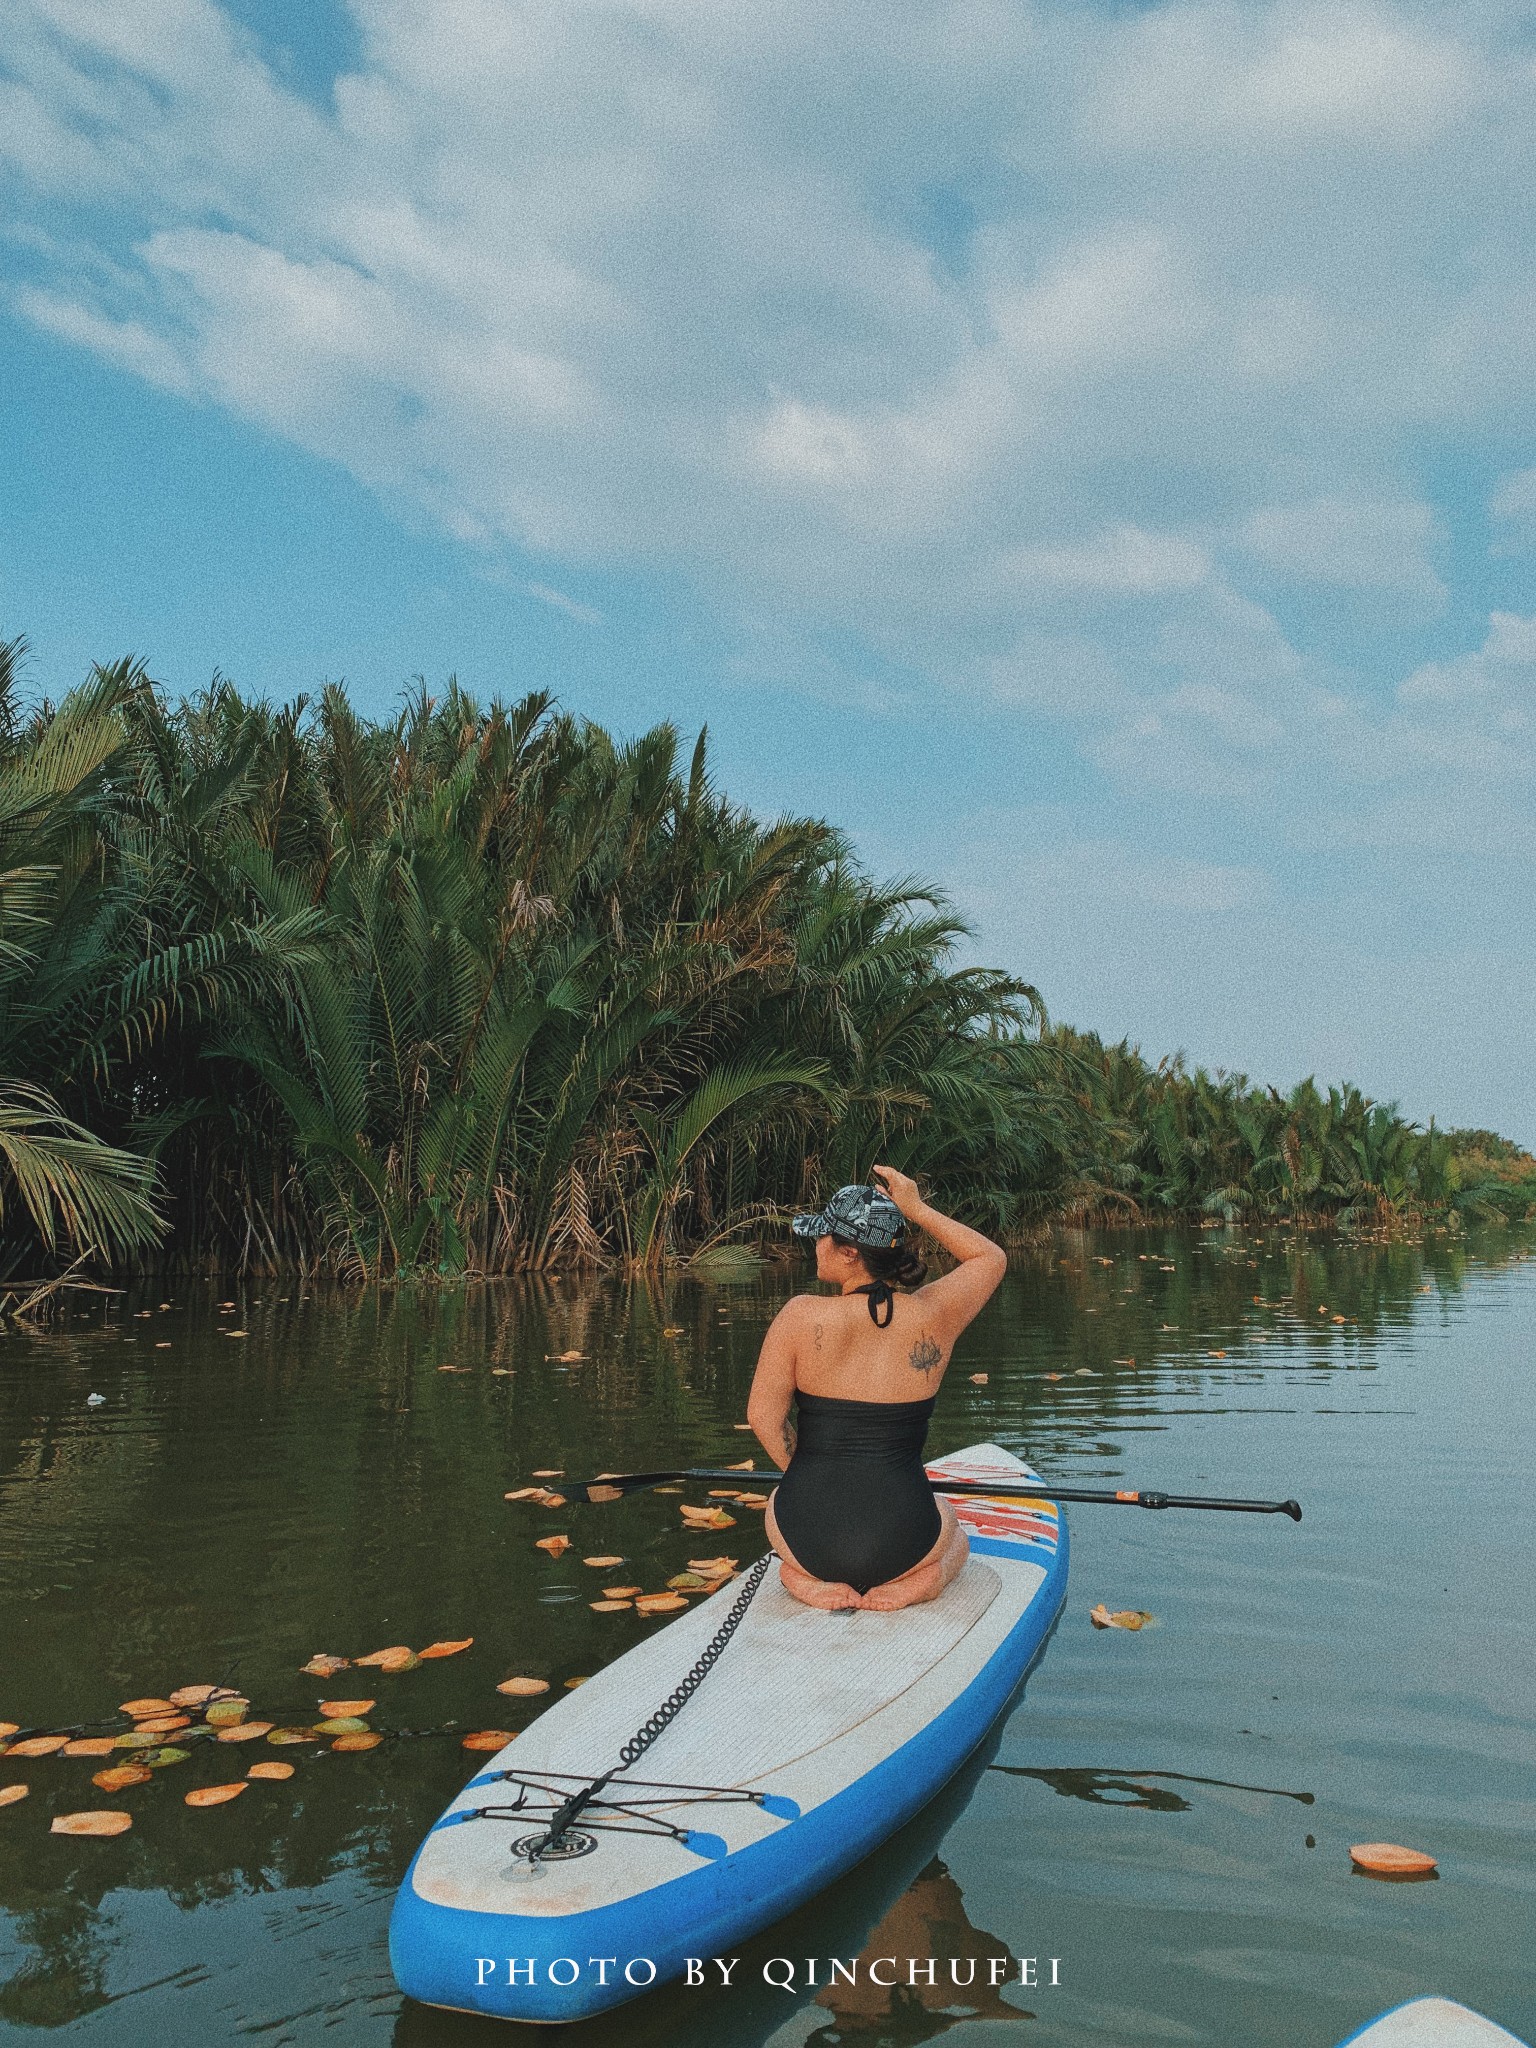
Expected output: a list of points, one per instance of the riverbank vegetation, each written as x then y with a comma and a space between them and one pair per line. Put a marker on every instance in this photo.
482, 988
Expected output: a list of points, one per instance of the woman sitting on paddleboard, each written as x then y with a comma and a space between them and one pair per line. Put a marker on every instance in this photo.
854, 1520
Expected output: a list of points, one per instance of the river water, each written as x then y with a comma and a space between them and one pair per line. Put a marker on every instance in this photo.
1167, 1812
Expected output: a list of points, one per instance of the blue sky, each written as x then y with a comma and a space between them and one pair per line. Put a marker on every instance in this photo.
1088, 451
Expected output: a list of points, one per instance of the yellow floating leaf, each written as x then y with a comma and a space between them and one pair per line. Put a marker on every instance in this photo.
9, 1794
446, 1649
708, 1518
14, 1727
602, 1493
136, 1739
659, 1603
979, 1379
225, 1713
337, 1710
602, 1564
488, 1738
90, 1824
689, 1582
572, 1683
164, 1724
741, 1425
364, 1738
621, 1592
609, 1606
1053, 1375
245, 1731
553, 1500
195, 1695
38, 1745
281, 1737
523, 1688
161, 1759
90, 1745
273, 1771
526, 1493
378, 1656
139, 1708
1391, 1859
120, 1777
214, 1795
746, 1465
343, 1724
713, 1567
553, 1544
1124, 1617
554, 1471
752, 1500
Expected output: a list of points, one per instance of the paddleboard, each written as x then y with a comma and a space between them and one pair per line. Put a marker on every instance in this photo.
812, 1738
1431, 2023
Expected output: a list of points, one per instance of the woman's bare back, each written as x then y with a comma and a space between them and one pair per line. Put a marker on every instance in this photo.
840, 1352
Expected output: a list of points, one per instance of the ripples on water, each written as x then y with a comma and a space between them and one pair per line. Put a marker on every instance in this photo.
1169, 1812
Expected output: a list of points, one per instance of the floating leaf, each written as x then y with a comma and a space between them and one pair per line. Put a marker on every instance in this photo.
488, 1738
287, 1736
90, 1745
553, 1544
245, 1731
746, 1465
343, 1724
654, 1489
659, 1603
161, 1759
1390, 1859
120, 1777
451, 1649
752, 1500
566, 1357
603, 1564
1053, 1375
14, 1727
164, 1724
621, 1592
713, 1567
139, 1708
672, 1330
362, 1738
523, 1688
602, 1493
226, 1713
323, 1666
1125, 1617
90, 1824
978, 1379
689, 1582
195, 1695
554, 1471
708, 1518
741, 1425
572, 1683
526, 1493
136, 1739
336, 1710
9, 1794
39, 1745
273, 1771
214, 1795
609, 1606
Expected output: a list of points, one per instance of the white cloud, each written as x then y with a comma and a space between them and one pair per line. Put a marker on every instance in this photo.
1500, 674
1356, 543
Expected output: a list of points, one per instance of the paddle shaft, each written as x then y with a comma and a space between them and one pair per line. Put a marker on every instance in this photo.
1096, 1496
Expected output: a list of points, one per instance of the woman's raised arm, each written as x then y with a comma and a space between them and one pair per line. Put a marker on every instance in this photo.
961, 1295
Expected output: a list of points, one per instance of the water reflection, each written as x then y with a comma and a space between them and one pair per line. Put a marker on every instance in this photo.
927, 1925
1137, 1788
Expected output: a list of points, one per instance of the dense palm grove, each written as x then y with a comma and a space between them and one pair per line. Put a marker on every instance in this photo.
481, 988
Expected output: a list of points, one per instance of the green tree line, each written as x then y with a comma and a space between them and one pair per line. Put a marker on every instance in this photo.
482, 988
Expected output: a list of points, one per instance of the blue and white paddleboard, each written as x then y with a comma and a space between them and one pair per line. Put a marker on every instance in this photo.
811, 1739
1431, 2023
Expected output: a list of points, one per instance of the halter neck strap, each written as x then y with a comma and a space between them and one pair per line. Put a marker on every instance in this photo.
881, 1296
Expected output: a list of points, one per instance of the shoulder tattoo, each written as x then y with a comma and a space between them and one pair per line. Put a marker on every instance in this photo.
925, 1354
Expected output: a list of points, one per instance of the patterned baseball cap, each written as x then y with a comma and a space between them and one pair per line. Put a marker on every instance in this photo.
862, 1214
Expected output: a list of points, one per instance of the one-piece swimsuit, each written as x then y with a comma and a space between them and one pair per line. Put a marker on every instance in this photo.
854, 1505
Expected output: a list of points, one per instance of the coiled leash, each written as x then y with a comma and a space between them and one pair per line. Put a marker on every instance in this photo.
556, 1838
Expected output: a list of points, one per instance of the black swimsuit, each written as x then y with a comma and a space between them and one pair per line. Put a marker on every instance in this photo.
854, 1505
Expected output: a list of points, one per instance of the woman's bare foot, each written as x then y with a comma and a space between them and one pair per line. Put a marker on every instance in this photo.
925, 1581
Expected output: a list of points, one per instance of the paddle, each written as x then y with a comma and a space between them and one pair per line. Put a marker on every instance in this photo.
612, 1486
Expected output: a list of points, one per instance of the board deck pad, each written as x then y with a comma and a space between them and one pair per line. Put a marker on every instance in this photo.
1431, 2023
848, 1722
